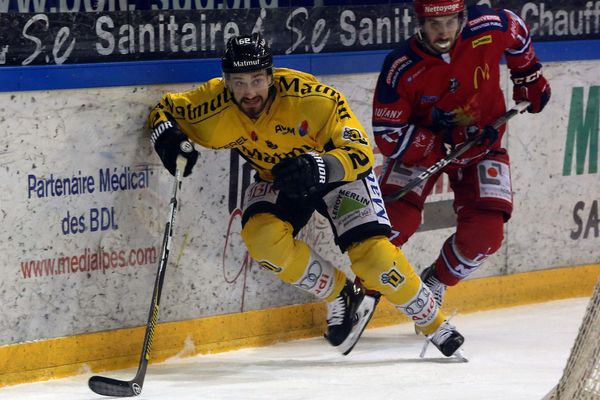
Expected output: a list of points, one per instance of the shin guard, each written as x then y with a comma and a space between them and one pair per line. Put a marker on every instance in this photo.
383, 267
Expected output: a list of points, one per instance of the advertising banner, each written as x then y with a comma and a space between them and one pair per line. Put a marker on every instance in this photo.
83, 206
48, 38
77, 6
555, 175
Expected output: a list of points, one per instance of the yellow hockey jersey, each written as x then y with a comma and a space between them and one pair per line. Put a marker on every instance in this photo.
305, 115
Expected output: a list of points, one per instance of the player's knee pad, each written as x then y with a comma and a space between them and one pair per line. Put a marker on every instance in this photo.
271, 243
382, 266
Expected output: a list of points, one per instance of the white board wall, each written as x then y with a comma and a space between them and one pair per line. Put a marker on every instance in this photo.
77, 135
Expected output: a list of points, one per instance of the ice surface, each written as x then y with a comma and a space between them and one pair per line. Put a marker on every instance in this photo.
514, 353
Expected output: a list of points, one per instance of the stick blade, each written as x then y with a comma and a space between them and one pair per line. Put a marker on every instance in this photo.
114, 387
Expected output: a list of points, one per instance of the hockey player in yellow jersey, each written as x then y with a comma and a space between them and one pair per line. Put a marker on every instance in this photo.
311, 154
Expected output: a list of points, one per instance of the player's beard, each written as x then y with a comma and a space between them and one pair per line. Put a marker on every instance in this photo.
253, 107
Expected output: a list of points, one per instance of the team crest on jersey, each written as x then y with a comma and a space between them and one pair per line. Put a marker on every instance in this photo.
354, 135
453, 85
303, 128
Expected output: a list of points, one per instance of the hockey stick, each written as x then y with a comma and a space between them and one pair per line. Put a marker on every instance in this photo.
503, 119
115, 387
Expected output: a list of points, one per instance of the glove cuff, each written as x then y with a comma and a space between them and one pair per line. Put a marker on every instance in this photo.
159, 130
527, 76
320, 167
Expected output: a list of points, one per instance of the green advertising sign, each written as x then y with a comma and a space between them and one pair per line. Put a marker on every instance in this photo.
582, 132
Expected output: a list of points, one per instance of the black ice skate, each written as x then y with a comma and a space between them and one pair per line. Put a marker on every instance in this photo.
438, 289
447, 340
368, 292
347, 317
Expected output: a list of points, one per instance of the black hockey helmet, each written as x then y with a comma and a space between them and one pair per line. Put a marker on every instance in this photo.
247, 53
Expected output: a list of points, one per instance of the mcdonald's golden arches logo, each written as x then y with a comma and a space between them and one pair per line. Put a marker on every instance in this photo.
484, 72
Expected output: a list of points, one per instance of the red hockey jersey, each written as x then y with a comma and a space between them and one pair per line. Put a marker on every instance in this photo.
466, 80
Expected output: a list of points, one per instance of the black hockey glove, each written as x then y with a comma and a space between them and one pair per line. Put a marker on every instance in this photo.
302, 176
442, 120
169, 143
488, 136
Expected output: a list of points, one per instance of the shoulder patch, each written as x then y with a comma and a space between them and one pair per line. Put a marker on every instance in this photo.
398, 62
484, 19
351, 134
487, 39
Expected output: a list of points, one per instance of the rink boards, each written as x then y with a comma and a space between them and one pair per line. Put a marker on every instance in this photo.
84, 199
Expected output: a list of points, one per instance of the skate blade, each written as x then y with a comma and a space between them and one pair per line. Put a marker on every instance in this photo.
365, 310
458, 356
424, 349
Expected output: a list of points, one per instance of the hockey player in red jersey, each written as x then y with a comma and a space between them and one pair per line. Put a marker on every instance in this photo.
436, 91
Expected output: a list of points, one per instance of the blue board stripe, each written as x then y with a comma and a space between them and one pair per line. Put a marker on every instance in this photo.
73, 76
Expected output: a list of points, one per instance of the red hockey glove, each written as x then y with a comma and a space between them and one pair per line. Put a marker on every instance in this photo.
299, 177
530, 85
169, 143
